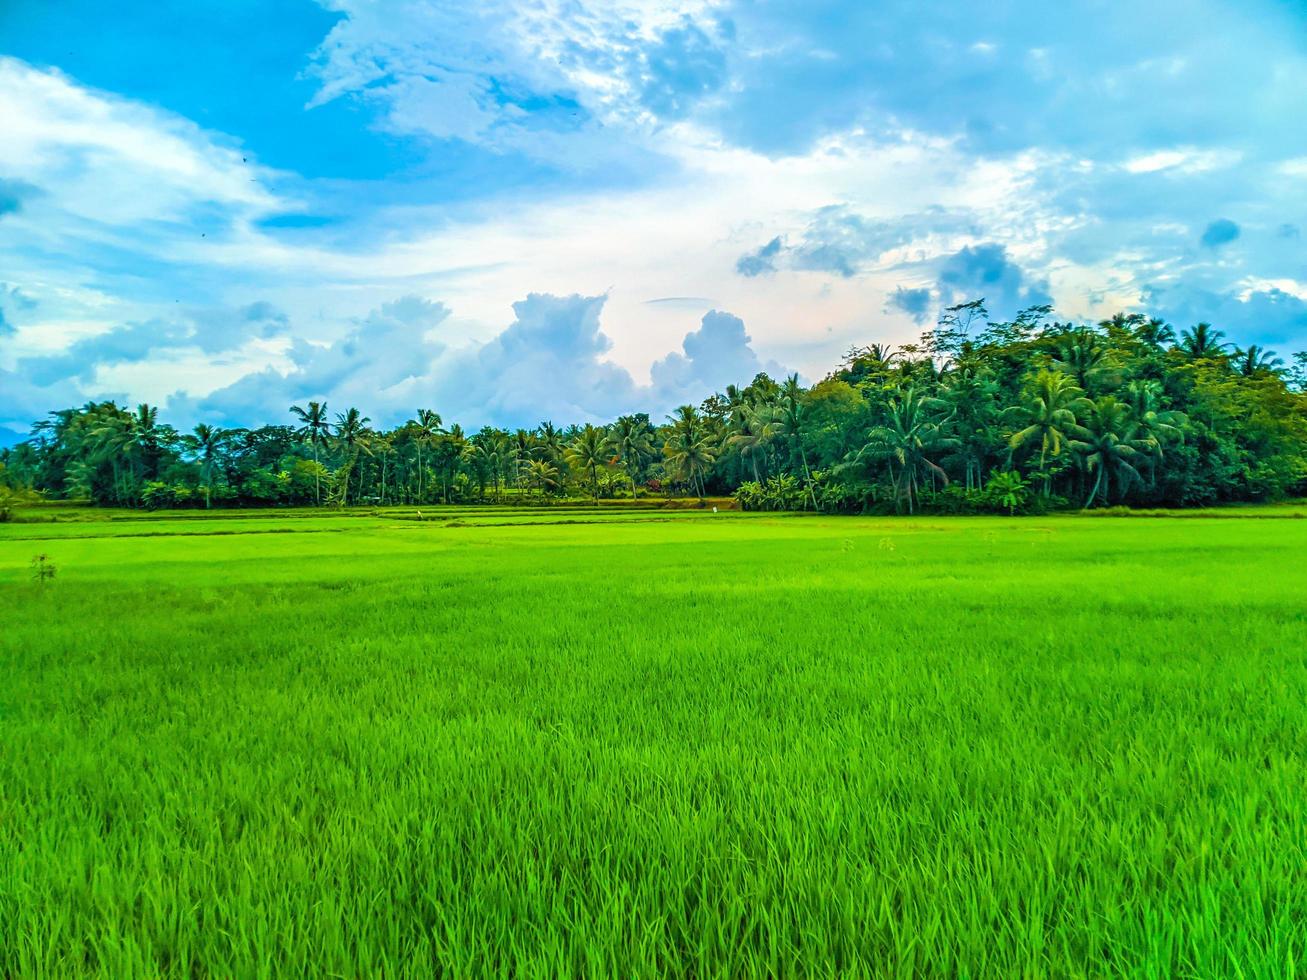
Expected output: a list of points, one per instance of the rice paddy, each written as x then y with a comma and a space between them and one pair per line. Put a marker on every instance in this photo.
652, 743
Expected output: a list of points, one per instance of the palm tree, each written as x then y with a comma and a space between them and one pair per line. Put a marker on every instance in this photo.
314, 430
206, 442
754, 434
114, 441
589, 451
629, 441
789, 420
971, 395
1081, 355
1048, 415
1202, 342
908, 438
690, 448
426, 426
351, 431
451, 448
379, 444
549, 445
145, 432
1155, 333
1104, 445
1257, 360
542, 475
1151, 426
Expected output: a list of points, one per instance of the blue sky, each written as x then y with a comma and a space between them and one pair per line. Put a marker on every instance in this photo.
569, 208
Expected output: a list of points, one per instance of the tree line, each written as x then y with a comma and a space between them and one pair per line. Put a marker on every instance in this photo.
1024, 415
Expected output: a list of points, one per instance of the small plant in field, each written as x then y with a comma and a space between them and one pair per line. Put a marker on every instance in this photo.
43, 569
1008, 489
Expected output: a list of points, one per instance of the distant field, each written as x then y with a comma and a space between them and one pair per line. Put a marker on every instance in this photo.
654, 743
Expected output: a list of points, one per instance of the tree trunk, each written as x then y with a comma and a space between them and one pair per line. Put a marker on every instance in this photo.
419, 447
1094, 492
317, 490
807, 476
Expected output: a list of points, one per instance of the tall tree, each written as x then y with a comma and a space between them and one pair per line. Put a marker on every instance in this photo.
351, 431
588, 452
314, 429
426, 426
1047, 418
206, 443
1202, 342
690, 447
906, 440
1256, 360
1103, 443
630, 440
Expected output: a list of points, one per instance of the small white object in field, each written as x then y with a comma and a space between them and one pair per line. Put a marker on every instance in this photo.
714, 510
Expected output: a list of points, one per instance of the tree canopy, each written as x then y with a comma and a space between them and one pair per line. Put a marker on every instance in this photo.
1028, 414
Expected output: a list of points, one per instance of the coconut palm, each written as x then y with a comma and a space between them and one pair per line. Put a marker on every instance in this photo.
350, 434
114, 441
789, 422
1202, 342
450, 447
630, 441
1082, 356
382, 446
1155, 333
1151, 426
206, 443
1256, 360
971, 395
314, 431
754, 434
1103, 443
542, 475
549, 446
145, 437
589, 451
426, 425
1047, 417
690, 448
906, 441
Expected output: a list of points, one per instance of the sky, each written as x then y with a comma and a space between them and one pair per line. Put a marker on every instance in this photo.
570, 209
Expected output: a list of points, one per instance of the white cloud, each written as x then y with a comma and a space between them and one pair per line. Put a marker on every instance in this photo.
113, 162
1182, 161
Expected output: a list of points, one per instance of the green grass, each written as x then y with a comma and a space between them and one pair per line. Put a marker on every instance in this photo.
703, 745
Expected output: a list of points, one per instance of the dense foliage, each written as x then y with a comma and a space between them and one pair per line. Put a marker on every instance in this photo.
979, 416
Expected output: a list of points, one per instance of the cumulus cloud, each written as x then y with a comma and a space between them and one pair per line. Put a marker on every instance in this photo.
719, 353
128, 343
1262, 316
23, 400
208, 330
379, 365
914, 302
550, 363
1220, 232
513, 116
840, 240
985, 272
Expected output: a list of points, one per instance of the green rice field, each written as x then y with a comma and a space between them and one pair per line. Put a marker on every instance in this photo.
630, 743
